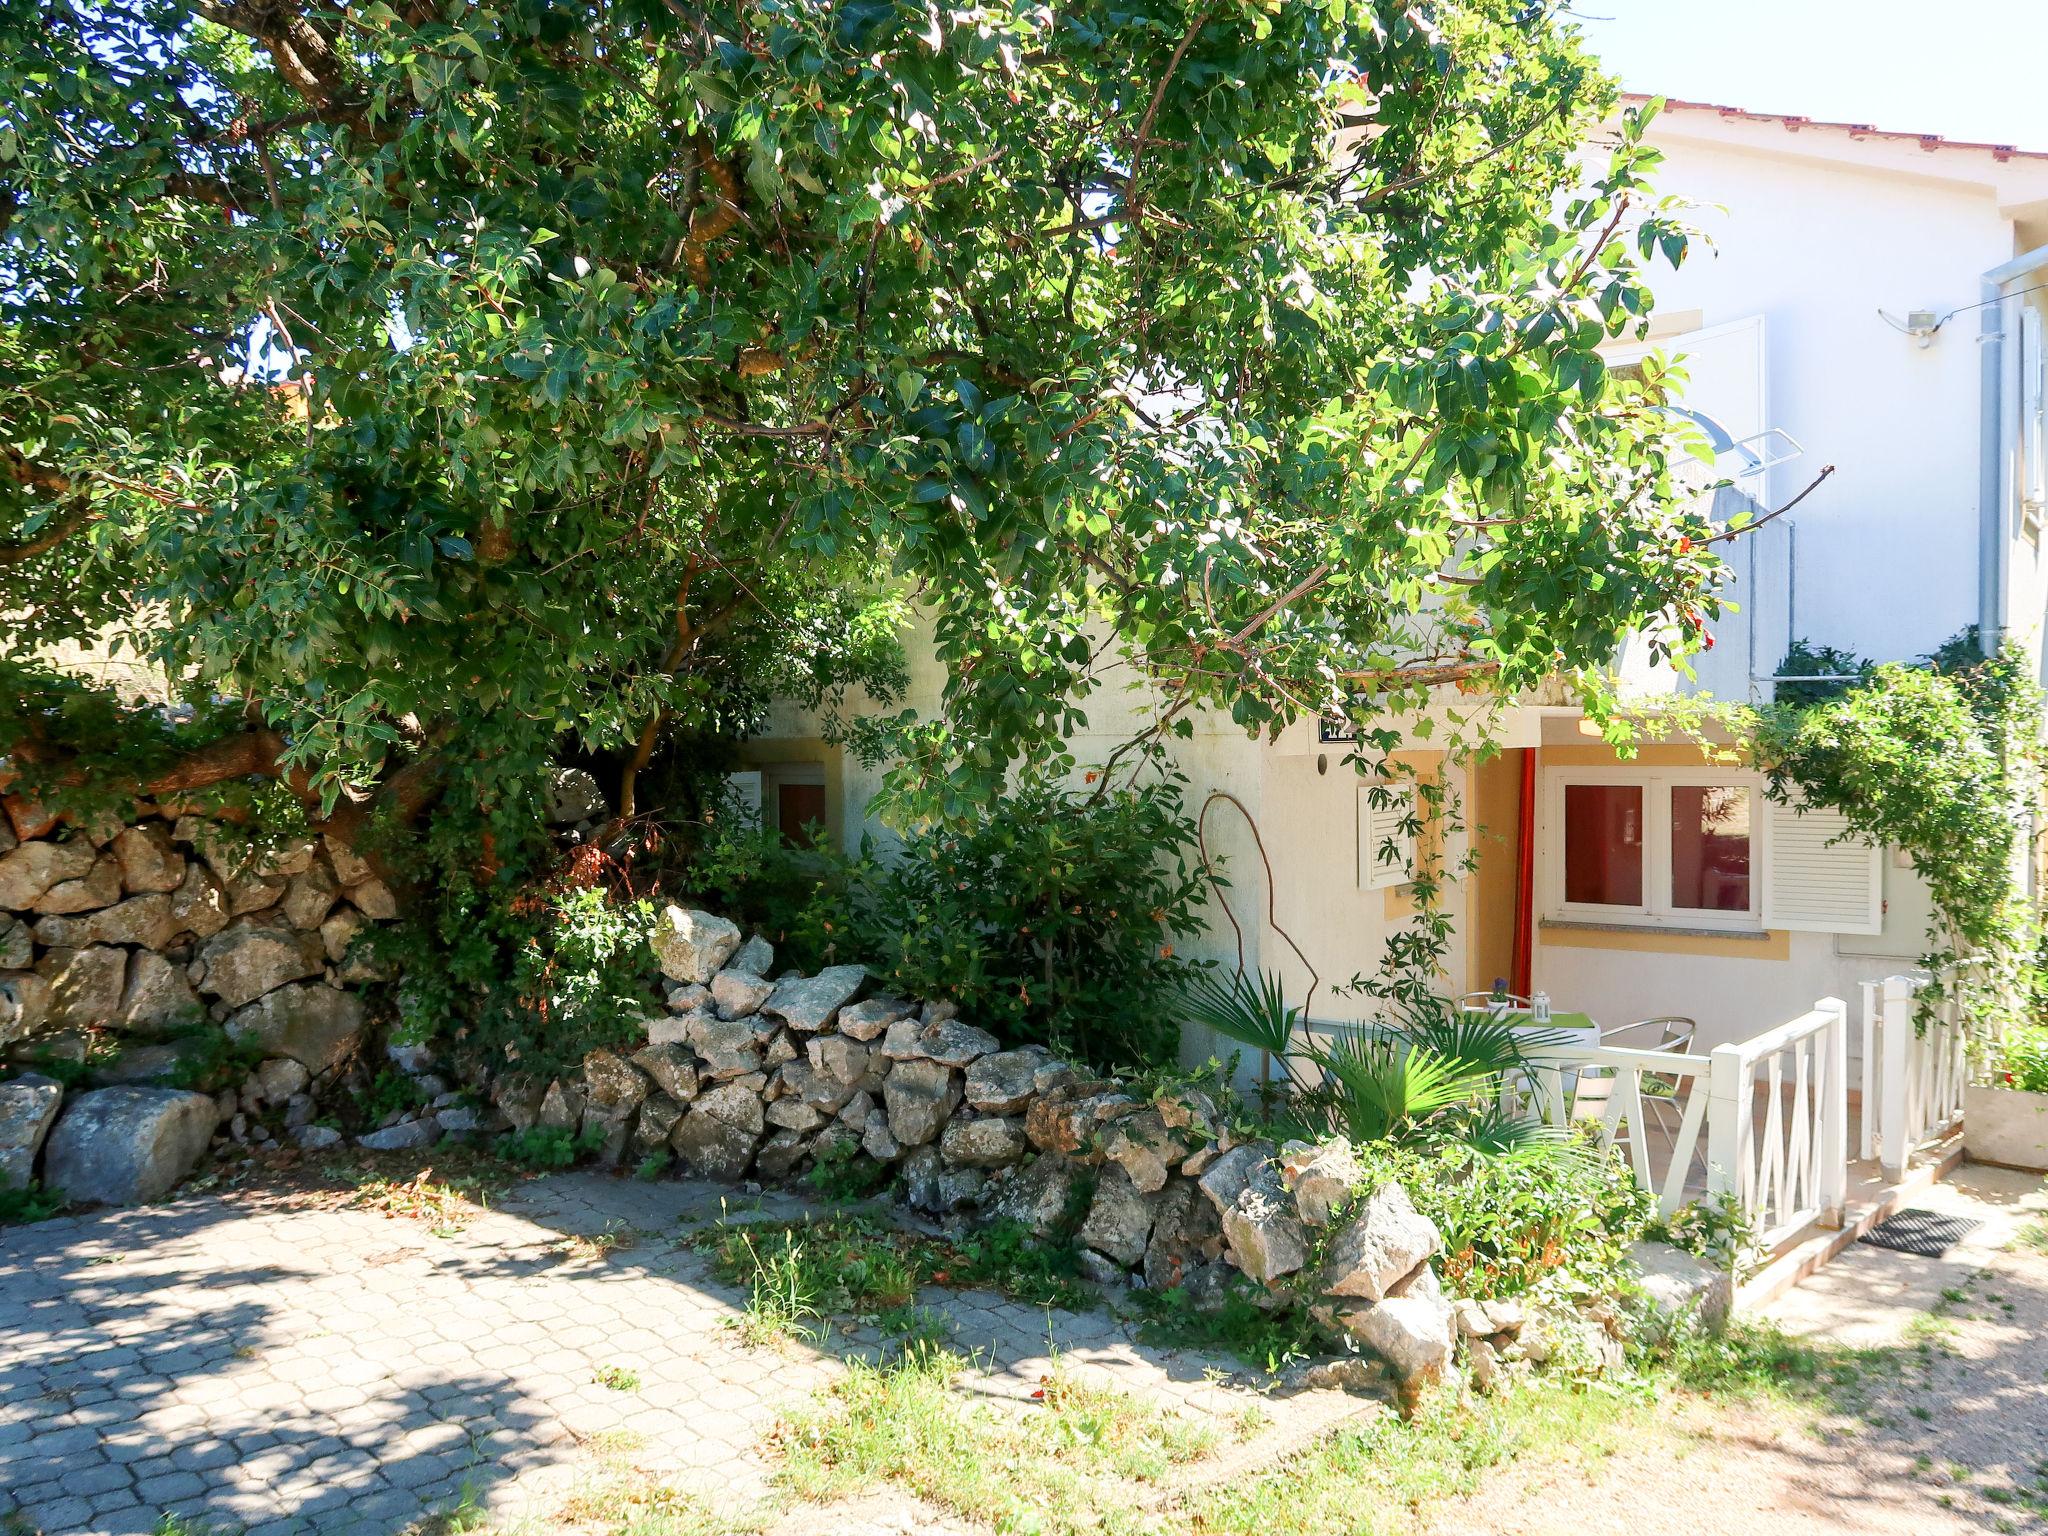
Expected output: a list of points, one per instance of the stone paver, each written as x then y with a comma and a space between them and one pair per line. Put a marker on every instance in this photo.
277, 1364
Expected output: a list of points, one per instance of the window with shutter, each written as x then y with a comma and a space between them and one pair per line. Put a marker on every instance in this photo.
1386, 845
1815, 884
745, 792
2033, 420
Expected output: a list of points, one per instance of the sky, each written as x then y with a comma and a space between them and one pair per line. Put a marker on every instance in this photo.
1965, 69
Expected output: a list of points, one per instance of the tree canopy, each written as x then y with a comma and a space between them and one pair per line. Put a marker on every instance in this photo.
441, 380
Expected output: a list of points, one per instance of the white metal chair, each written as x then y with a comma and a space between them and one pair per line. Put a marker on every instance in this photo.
1659, 1090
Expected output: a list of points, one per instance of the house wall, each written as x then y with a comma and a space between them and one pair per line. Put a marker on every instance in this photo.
1733, 985
1884, 557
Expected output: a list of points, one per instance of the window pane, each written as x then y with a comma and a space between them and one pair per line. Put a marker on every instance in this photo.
1603, 844
1710, 849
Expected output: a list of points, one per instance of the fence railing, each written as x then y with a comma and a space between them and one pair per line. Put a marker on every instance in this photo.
1765, 1120
1914, 1070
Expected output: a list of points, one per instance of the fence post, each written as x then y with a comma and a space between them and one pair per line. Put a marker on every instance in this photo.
1728, 1113
1832, 1177
1895, 1046
1866, 1062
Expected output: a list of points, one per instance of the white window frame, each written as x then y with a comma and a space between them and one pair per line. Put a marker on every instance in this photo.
1657, 910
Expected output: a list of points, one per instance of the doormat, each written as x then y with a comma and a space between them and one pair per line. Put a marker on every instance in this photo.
1926, 1233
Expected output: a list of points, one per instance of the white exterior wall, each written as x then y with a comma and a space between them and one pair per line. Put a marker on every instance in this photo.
1885, 555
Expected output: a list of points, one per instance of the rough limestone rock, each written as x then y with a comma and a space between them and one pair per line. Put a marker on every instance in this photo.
756, 957
32, 868
374, 899
795, 1115
1141, 1145
691, 945
573, 796
249, 891
948, 1042
1187, 1235
838, 1058
611, 1083
85, 985
1120, 1218
1380, 1247
719, 1133
316, 1025
1000, 1084
989, 1142
518, 1099
17, 945
561, 1107
1411, 1334
658, 1116
349, 867
1231, 1173
1322, 1177
920, 1172
867, 1019
122, 1146
26, 1003
317, 1138
1069, 1123
28, 1108
404, 1136
808, 1002
877, 1140
1266, 1234
101, 887
280, 1077
240, 964
920, 1096
310, 897
146, 858
145, 921
161, 1063
781, 1152
338, 931
673, 1068
730, 1047
199, 905
1677, 1285
736, 993
1038, 1197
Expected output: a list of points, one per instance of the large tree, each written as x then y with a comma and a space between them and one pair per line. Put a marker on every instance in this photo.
440, 380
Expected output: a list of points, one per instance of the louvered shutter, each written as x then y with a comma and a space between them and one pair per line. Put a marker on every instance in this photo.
2033, 414
746, 795
1378, 825
1814, 885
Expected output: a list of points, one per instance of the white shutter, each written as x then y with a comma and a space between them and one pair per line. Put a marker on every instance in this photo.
2033, 421
1813, 887
746, 794
1379, 825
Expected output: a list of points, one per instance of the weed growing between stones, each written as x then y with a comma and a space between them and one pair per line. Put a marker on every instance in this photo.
1268, 1338
546, 1148
32, 1203
446, 1205
620, 1378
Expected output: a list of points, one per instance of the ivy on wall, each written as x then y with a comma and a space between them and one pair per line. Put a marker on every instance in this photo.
1942, 759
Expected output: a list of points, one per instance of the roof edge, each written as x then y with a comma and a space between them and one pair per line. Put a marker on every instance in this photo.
1794, 124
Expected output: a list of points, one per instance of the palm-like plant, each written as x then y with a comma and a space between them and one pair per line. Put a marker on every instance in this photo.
1251, 1012
1433, 1076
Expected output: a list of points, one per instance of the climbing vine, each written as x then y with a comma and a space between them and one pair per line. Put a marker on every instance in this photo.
1944, 761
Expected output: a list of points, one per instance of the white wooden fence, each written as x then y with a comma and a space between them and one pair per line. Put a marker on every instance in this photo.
1914, 1072
1765, 1120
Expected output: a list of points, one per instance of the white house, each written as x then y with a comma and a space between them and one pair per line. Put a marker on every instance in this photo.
1870, 300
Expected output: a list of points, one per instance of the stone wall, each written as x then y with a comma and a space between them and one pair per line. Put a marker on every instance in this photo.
140, 961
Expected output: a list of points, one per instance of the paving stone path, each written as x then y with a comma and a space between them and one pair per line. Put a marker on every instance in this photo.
275, 1363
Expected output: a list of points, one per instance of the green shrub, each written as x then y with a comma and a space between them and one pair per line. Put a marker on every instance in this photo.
1049, 918
531, 965
1563, 1213
548, 1147
2023, 1059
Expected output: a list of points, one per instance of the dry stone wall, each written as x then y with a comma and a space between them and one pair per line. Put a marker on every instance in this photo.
134, 959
